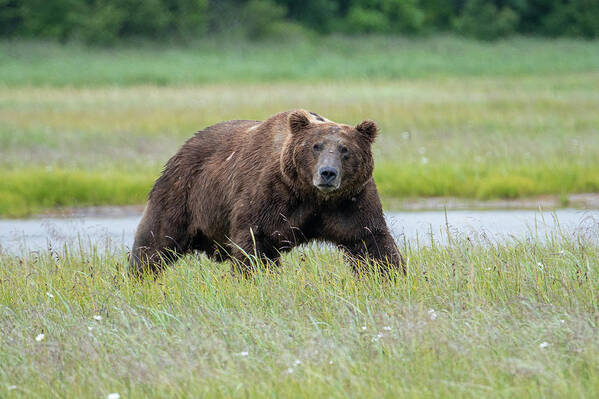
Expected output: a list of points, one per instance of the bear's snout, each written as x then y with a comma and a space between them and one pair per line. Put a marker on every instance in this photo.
327, 178
328, 174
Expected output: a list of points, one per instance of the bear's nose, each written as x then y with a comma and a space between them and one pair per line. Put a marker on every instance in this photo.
328, 174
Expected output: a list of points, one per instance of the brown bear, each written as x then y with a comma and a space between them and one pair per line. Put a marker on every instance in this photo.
243, 188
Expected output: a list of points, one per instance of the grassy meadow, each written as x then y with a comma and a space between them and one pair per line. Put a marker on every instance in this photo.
471, 319
514, 118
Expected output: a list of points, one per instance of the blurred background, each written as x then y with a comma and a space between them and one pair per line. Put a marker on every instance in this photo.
479, 101
109, 21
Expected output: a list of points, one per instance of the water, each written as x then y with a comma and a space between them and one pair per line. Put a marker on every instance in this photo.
418, 228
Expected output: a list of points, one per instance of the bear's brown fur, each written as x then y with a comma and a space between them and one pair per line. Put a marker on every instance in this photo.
244, 187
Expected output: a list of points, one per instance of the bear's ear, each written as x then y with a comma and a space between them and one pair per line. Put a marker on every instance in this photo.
298, 121
368, 129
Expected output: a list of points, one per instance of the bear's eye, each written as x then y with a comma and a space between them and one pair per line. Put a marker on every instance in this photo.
317, 147
343, 150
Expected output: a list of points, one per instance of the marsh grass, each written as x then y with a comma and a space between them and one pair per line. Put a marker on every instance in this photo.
30, 191
486, 137
472, 318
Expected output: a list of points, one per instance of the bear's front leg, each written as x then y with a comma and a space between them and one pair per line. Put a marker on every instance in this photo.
358, 227
378, 247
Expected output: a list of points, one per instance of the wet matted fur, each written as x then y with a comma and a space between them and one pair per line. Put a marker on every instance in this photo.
244, 187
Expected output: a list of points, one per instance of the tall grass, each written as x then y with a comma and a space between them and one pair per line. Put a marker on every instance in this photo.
470, 319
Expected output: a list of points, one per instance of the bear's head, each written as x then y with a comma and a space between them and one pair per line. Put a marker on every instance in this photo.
328, 158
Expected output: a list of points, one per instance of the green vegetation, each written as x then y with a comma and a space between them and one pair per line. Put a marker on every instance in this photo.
25, 192
511, 119
109, 21
470, 319
89, 126
331, 59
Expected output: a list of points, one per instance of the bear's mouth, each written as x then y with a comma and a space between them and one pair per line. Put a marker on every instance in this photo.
326, 187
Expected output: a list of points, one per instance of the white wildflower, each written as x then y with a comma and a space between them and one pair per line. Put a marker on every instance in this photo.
543, 345
97, 317
40, 337
114, 396
49, 295
432, 314
562, 321
244, 353
363, 328
90, 328
424, 160
297, 362
11, 387
541, 266
387, 328
289, 370
331, 362
377, 337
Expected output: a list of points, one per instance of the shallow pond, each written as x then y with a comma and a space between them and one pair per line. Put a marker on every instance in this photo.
416, 228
